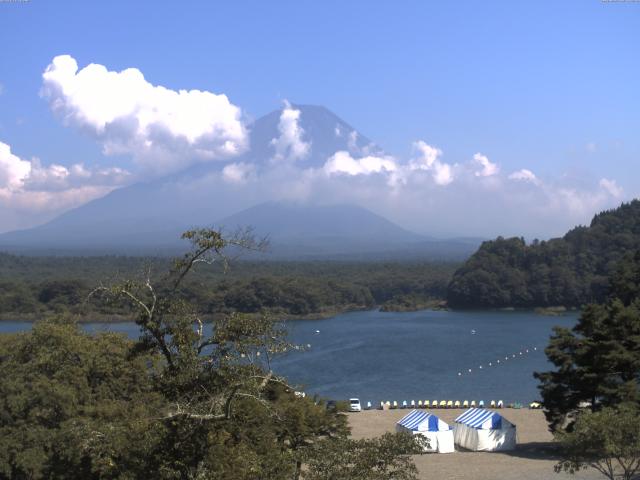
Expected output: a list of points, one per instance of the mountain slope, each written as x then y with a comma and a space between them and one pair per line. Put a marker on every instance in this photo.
325, 132
309, 230
293, 221
569, 271
147, 218
150, 214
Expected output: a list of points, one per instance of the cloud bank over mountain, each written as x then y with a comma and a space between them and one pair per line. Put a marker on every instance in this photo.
301, 154
425, 193
30, 190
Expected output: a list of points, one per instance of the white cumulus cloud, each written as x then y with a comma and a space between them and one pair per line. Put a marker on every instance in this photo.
488, 169
58, 177
611, 187
13, 170
28, 186
343, 163
430, 196
237, 173
524, 175
290, 145
163, 129
429, 160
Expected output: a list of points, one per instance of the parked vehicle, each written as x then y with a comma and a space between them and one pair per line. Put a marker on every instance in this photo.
354, 405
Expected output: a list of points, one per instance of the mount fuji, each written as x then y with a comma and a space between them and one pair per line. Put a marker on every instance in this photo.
148, 217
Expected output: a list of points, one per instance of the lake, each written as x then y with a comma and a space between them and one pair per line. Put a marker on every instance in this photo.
423, 355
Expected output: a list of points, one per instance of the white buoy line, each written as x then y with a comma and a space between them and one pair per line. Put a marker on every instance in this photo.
500, 361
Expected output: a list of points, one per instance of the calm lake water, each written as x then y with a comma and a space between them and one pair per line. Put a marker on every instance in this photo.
416, 355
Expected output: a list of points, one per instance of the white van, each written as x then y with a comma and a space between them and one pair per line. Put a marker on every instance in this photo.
354, 405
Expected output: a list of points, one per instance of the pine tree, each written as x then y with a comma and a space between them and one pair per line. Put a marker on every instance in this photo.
598, 361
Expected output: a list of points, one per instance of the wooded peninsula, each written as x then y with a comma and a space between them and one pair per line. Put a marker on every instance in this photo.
33, 287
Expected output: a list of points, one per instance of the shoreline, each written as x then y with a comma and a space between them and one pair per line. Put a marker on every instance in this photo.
114, 318
322, 315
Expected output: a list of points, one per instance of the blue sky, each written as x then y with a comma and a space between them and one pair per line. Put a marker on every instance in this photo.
546, 86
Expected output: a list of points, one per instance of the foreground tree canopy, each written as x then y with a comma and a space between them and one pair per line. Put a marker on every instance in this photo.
177, 403
592, 398
570, 271
598, 361
607, 441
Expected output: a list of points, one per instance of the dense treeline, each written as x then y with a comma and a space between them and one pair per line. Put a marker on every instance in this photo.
33, 286
569, 271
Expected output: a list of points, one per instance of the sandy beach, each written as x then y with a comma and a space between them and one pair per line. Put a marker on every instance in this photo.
533, 459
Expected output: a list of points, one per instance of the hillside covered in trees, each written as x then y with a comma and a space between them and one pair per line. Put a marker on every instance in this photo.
568, 271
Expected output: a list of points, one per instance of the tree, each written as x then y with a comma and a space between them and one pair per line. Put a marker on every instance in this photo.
302, 422
570, 271
384, 458
598, 361
607, 441
74, 406
182, 402
219, 421
228, 415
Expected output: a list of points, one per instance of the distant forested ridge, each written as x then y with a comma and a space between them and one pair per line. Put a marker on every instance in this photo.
33, 287
568, 271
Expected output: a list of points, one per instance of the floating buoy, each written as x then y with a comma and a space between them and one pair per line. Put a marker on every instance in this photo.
489, 363
459, 373
480, 366
469, 370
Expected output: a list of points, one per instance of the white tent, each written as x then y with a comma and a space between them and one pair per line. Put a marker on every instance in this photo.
483, 430
437, 432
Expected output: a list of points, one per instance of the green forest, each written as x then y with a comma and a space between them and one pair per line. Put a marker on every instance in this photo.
570, 271
31, 287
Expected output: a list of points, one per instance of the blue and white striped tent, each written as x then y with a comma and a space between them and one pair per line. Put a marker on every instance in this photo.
419, 421
480, 418
483, 430
437, 432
